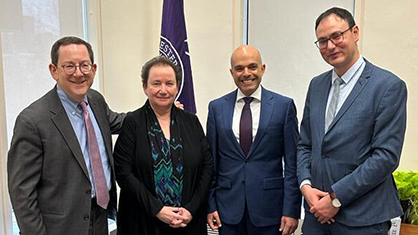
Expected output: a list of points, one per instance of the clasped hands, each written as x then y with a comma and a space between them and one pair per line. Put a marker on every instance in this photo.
176, 217
320, 204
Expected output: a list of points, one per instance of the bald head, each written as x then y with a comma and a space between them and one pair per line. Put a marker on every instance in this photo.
245, 51
247, 69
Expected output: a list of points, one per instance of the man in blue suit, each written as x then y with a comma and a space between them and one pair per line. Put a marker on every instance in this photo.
251, 132
352, 134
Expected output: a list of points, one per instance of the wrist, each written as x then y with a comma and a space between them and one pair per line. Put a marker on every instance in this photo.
305, 188
334, 200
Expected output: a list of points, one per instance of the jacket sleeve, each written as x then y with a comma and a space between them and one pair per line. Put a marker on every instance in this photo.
304, 146
115, 120
292, 195
212, 139
24, 168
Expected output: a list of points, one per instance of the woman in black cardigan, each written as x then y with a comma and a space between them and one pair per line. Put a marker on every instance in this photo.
163, 162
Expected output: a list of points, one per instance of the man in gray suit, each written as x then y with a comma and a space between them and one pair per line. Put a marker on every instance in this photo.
352, 134
53, 186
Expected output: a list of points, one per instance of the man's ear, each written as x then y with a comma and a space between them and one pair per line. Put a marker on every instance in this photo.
356, 33
94, 69
53, 71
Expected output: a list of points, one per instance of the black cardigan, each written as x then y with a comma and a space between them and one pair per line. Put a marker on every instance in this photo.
138, 204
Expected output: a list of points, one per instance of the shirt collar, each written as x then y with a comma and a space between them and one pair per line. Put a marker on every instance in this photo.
256, 94
66, 99
347, 76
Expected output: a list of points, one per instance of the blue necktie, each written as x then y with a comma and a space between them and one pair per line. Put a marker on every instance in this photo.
246, 126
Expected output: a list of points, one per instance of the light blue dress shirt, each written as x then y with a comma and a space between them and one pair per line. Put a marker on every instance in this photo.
350, 79
75, 114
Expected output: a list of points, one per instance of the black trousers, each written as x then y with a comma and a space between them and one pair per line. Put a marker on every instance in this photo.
98, 219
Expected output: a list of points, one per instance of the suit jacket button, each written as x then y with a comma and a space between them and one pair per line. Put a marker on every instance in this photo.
323, 156
243, 182
86, 217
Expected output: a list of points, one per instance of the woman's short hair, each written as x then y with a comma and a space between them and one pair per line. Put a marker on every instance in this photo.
161, 61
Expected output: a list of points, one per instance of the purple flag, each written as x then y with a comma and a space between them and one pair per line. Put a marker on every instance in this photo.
173, 45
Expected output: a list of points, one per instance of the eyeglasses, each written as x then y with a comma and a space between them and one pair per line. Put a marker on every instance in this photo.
335, 38
70, 69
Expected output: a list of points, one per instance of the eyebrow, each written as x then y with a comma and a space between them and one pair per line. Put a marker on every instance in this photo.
336, 32
249, 65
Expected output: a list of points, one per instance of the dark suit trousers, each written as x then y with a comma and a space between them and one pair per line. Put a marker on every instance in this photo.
312, 227
246, 227
98, 219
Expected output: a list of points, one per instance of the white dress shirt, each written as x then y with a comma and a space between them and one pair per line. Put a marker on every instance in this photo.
255, 106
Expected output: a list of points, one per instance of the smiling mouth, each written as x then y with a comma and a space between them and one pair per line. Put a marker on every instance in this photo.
335, 54
78, 82
247, 80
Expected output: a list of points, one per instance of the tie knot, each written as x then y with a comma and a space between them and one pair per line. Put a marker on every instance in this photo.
83, 106
248, 100
338, 81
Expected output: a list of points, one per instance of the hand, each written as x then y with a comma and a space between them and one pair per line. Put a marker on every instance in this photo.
312, 195
214, 220
186, 217
179, 105
324, 211
288, 225
169, 215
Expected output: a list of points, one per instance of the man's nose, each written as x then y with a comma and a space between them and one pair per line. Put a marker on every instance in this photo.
78, 72
330, 44
246, 71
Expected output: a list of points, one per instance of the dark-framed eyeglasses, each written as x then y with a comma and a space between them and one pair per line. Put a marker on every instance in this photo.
70, 69
335, 38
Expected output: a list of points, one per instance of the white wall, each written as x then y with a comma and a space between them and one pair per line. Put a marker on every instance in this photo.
130, 36
284, 32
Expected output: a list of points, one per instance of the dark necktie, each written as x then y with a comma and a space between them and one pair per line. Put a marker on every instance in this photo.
246, 126
102, 192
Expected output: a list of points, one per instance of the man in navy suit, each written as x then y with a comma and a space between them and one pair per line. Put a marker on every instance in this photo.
352, 134
251, 132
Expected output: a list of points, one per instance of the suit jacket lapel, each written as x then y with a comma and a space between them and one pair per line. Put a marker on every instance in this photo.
323, 93
228, 115
266, 111
361, 83
102, 121
60, 119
